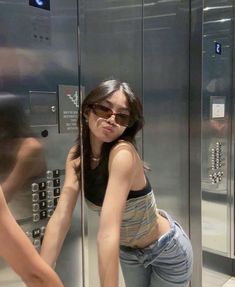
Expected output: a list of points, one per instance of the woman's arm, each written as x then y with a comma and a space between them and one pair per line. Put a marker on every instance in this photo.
60, 221
20, 254
121, 173
29, 163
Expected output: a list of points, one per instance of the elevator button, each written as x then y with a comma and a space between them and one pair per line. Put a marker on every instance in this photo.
43, 205
35, 187
49, 183
36, 217
42, 185
42, 195
50, 212
50, 203
49, 174
56, 182
35, 197
35, 207
50, 193
56, 173
57, 191
36, 232
43, 214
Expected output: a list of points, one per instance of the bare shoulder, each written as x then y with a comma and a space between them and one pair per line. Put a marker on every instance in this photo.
123, 155
124, 146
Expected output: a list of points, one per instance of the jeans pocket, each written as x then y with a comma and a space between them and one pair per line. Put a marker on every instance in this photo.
174, 262
171, 249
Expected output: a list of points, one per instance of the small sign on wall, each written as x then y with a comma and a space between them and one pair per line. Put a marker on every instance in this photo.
218, 107
68, 108
218, 111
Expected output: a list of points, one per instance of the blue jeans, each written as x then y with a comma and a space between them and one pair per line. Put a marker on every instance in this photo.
165, 263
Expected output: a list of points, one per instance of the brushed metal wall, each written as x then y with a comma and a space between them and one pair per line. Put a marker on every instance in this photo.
218, 141
166, 102
217, 82
38, 52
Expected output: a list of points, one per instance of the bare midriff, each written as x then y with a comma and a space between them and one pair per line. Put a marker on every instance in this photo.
162, 227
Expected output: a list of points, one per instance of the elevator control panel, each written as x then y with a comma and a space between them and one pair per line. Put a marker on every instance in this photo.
217, 162
45, 196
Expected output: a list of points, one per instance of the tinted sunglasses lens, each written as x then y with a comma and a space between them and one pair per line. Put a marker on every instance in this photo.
105, 113
102, 111
122, 119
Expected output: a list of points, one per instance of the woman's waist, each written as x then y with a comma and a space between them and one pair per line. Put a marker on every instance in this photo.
159, 228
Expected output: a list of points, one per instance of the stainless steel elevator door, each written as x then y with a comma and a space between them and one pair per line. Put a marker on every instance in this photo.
166, 104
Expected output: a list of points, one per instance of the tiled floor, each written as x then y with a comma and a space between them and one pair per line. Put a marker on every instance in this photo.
230, 283
211, 278
215, 237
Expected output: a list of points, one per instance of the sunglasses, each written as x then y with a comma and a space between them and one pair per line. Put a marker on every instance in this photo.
105, 113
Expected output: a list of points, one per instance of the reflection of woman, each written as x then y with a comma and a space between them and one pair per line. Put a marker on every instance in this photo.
21, 155
20, 254
154, 249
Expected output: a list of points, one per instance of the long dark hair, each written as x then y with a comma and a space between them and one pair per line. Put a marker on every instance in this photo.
101, 92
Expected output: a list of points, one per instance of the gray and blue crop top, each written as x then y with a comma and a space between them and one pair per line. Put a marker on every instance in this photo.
140, 214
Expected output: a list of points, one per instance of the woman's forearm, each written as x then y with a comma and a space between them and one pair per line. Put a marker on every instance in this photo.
42, 276
58, 225
54, 237
108, 255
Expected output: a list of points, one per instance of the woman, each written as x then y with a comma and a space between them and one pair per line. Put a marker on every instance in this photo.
17, 250
154, 250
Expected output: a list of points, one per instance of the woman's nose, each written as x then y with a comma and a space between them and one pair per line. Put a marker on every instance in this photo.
111, 119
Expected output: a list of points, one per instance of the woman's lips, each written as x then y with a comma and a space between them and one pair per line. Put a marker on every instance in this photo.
108, 129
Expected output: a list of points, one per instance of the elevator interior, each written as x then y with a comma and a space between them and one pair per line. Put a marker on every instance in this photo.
54, 53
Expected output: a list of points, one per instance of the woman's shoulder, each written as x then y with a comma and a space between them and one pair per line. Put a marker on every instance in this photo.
123, 145
123, 153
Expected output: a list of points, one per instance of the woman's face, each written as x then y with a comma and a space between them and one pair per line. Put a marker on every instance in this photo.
108, 130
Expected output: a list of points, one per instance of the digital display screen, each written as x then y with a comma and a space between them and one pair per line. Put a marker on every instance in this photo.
43, 4
218, 48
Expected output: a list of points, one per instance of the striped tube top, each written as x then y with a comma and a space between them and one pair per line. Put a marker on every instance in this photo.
139, 217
